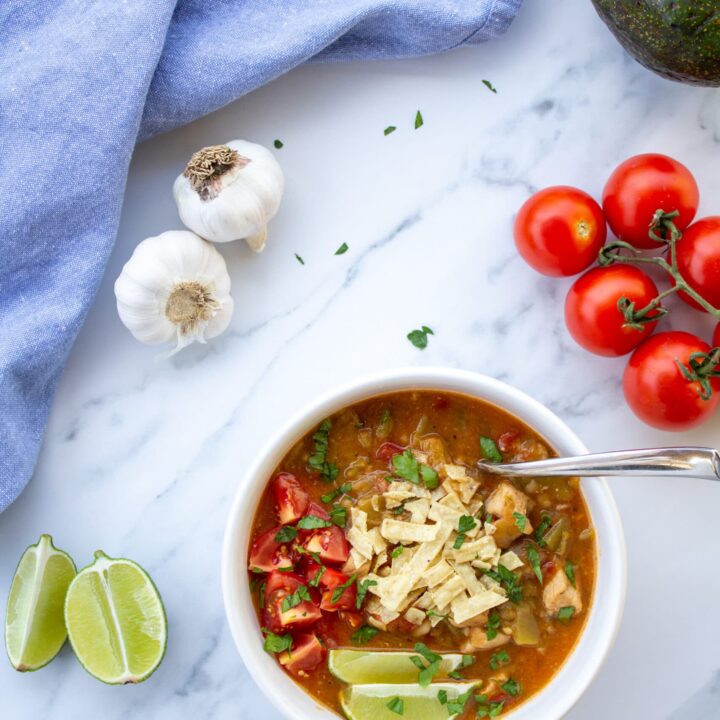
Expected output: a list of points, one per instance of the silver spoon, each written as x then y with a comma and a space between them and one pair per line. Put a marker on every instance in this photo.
687, 462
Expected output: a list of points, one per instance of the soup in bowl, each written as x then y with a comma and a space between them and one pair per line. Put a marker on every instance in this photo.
383, 574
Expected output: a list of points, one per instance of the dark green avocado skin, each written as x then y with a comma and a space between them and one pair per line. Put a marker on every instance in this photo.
678, 39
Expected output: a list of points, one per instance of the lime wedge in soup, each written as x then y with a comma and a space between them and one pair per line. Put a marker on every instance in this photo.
116, 621
34, 625
368, 666
386, 702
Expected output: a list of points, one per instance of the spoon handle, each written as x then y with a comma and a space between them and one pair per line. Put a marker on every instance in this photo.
689, 462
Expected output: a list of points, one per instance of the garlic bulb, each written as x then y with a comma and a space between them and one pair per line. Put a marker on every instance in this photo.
174, 288
230, 192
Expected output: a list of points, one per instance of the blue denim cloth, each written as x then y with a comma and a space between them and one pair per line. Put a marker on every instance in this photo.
81, 81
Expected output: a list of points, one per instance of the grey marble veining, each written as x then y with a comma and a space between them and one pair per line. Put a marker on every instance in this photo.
142, 458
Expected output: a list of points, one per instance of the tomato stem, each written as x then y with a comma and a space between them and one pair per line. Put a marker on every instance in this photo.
701, 368
662, 230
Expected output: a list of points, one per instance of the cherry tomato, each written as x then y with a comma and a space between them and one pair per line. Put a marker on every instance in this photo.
640, 186
716, 336
559, 231
656, 389
268, 554
591, 309
330, 544
306, 654
290, 497
348, 597
698, 257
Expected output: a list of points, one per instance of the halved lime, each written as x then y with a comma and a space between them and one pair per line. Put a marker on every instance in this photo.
34, 624
374, 702
375, 666
116, 621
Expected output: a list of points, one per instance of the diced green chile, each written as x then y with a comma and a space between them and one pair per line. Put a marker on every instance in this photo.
557, 536
525, 629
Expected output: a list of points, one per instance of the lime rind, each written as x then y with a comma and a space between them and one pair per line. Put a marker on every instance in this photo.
363, 667
36, 633
78, 626
370, 702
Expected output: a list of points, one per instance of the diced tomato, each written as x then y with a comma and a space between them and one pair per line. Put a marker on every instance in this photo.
388, 450
306, 654
507, 440
317, 511
278, 586
548, 567
330, 544
329, 579
267, 554
346, 601
290, 497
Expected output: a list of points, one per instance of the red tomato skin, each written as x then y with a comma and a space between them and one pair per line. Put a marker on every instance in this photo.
640, 186
698, 257
388, 450
330, 543
346, 601
716, 336
306, 655
656, 390
317, 510
559, 231
266, 554
290, 498
591, 312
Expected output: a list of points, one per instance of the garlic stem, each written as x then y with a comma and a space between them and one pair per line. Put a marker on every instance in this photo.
190, 306
208, 165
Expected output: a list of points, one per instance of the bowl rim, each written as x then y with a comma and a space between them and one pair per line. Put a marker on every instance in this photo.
604, 616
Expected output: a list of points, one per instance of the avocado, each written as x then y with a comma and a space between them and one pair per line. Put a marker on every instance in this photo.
678, 39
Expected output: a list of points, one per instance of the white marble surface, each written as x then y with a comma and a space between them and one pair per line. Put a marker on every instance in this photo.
142, 458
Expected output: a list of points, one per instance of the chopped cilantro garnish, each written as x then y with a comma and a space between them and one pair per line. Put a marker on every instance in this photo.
520, 521
397, 551
340, 589
278, 144
542, 528
362, 588
313, 522
491, 710
565, 614
489, 86
389, 129
418, 120
493, 625
467, 661
286, 534
432, 613
299, 259
427, 672
318, 460
455, 675
570, 572
406, 466
336, 493
490, 450
442, 696
396, 705
276, 643
509, 581
314, 555
429, 477
499, 659
291, 601
399, 510
419, 338
534, 558
465, 524
256, 570
316, 580
511, 687
458, 704
364, 635
342, 249
338, 515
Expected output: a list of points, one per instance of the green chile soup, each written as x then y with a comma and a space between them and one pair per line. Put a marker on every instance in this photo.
381, 556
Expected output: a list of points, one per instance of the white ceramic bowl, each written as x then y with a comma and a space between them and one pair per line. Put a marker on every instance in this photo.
604, 617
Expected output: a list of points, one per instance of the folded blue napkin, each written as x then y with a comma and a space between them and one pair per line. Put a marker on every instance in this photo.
81, 81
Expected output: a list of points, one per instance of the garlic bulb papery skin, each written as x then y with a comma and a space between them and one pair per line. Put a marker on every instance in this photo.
230, 192
174, 288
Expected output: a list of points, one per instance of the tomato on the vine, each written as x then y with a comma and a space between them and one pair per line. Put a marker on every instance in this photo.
642, 185
664, 388
716, 336
592, 314
698, 259
559, 231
